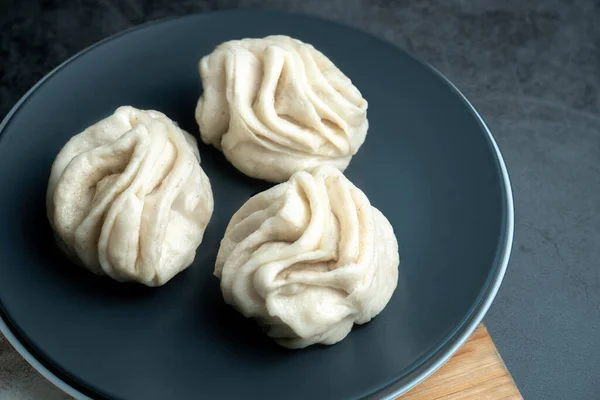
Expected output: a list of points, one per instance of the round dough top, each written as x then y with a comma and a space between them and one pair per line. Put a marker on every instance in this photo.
276, 106
308, 258
127, 197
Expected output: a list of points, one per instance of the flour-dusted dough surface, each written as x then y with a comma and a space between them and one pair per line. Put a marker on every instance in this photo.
276, 106
308, 259
127, 197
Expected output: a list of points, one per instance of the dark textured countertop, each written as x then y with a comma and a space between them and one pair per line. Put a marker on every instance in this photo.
532, 68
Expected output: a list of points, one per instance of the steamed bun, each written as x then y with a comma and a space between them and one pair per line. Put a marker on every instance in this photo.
276, 106
127, 197
308, 259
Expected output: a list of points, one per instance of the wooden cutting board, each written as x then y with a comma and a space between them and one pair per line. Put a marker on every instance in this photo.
475, 372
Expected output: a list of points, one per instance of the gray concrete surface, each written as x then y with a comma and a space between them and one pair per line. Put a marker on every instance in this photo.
532, 68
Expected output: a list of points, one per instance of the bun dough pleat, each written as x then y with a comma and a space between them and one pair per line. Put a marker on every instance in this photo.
308, 259
127, 197
276, 106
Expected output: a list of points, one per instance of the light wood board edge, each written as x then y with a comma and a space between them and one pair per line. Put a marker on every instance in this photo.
475, 372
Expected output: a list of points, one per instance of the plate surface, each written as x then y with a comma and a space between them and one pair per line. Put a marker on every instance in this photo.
429, 164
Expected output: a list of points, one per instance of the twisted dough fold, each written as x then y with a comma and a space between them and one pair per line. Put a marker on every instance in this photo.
277, 105
127, 197
308, 258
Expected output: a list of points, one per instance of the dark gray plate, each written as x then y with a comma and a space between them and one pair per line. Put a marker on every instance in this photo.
429, 163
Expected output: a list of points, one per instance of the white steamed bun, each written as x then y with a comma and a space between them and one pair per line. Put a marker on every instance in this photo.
127, 197
276, 106
309, 258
